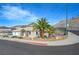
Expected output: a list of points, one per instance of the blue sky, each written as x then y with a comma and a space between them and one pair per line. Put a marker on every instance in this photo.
19, 14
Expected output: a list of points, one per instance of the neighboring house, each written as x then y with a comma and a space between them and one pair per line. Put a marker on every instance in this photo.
5, 32
61, 27
25, 31
72, 25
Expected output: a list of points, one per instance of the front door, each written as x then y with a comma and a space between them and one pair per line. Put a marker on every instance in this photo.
22, 32
27, 33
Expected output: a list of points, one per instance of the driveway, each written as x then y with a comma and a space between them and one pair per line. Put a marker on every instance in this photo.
18, 48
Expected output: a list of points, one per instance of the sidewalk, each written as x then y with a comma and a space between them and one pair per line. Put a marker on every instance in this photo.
72, 39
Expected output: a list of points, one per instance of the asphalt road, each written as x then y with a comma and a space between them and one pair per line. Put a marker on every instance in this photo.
16, 48
75, 32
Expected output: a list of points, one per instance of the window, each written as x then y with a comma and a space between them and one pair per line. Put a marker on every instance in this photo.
29, 32
37, 33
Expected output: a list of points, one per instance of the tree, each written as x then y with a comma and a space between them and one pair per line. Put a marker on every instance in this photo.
41, 25
50, 30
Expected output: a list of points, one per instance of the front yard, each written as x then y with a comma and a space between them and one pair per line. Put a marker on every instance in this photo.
71, 39
53, 38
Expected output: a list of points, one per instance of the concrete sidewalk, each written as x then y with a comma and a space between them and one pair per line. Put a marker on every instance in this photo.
71, 39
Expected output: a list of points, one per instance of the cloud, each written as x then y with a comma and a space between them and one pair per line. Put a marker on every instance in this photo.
16, 13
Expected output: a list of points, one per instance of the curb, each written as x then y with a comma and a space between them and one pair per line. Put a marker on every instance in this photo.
40, 44
33, 43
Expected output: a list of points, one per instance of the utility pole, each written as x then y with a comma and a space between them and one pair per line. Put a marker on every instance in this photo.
66, 11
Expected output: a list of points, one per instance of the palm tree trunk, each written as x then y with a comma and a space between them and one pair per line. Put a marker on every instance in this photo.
49, 35
42, 34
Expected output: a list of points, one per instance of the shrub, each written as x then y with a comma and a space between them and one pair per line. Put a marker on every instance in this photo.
5, 36
45, 36
20, 37
14, 37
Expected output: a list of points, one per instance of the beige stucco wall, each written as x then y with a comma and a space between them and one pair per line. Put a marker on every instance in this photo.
16, 33
33, 33
2, 34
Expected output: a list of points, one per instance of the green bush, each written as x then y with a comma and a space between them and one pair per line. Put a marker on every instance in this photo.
20, 37
14, 37
5, 36
45, 37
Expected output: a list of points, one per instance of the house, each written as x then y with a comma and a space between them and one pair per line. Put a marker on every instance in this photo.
71, 25
5, 32
25, 31
61, 27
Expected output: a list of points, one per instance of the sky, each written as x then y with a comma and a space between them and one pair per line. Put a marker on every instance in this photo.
12, 14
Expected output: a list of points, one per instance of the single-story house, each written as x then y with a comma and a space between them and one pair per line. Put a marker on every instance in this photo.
26, 31
61, 27
5, 32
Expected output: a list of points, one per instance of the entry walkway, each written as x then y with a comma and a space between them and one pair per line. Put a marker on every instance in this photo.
71, 39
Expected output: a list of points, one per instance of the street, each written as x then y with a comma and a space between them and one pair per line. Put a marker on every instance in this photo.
16, 48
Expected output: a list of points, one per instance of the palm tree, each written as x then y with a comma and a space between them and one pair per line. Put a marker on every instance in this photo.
41, 25
50, 30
